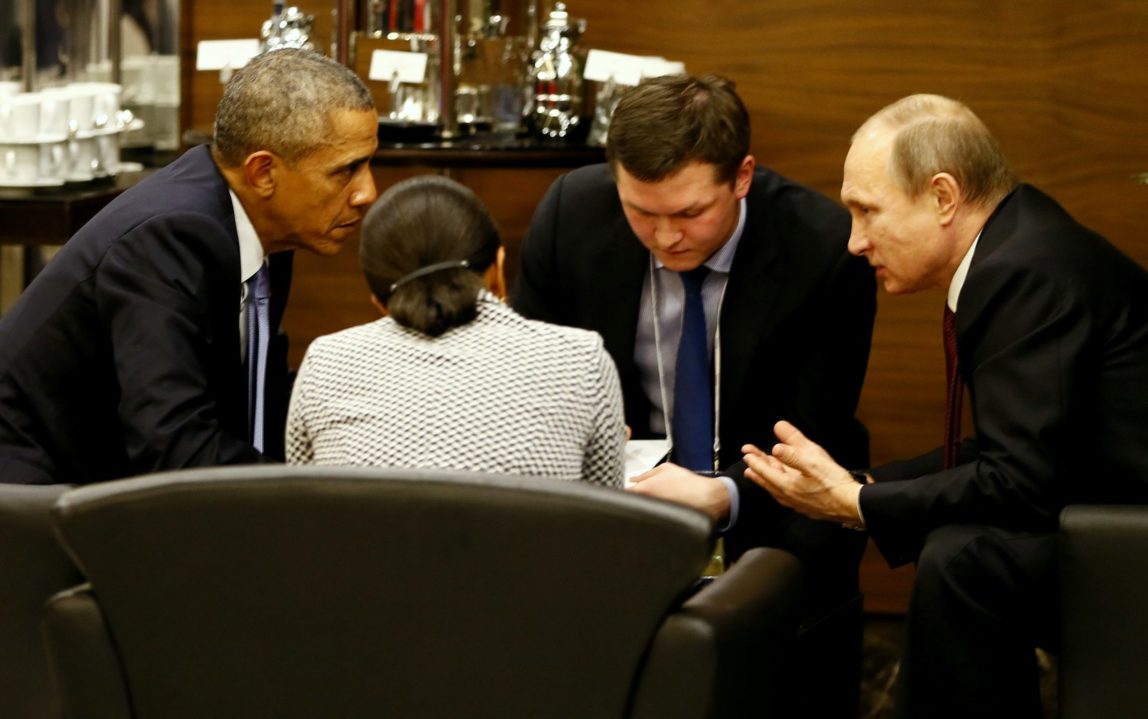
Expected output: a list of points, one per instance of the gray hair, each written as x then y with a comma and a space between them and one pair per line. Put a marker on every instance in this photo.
937, 134
282, 101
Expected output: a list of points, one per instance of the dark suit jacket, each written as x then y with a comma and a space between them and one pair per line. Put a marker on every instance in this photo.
796, 319
1052, 335
123, 356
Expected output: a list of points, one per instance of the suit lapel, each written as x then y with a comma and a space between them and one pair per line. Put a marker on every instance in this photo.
619, 264
749, 309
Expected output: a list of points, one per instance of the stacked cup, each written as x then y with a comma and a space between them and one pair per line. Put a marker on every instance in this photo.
33, 137
94, 149
61, 134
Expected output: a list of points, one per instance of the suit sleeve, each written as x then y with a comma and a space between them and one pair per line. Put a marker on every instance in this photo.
535, 294
1023, 346
827, 386
156, 298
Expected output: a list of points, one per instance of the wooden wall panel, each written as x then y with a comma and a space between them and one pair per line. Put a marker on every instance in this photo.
1062, 84
328, 293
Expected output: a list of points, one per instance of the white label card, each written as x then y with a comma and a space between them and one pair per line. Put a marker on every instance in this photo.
221, 54
657, 67
601, 65
410, 66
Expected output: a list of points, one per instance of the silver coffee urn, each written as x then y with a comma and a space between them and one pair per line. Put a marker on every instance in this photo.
555, 100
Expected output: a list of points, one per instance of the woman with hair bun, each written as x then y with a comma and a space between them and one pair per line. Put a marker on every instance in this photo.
450, 377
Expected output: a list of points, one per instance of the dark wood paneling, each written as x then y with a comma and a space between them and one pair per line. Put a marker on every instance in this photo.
1063, 85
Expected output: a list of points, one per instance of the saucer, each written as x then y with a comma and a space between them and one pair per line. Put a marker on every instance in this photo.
111, 129
104, 174
37, 140
41, 182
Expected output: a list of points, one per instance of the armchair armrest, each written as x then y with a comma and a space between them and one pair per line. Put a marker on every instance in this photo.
33, 567
723, 653
84, 663
1103, 554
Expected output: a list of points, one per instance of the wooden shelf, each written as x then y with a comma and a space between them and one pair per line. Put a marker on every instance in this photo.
486, 150
49, 216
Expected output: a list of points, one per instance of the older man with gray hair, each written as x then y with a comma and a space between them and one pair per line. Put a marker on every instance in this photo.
1047, 325
150, 341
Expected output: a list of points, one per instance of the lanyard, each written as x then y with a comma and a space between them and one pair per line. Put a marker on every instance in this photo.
667, 416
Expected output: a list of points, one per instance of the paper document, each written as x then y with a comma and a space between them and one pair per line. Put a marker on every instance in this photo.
642, 455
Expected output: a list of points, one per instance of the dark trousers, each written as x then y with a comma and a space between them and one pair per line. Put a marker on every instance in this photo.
825, 669
983, 600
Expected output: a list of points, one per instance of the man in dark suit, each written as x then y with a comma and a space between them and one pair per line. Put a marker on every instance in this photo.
128, 353
1051, 336
611, 248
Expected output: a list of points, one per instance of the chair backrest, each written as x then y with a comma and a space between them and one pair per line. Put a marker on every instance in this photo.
33, 567
1103, 669
305, 592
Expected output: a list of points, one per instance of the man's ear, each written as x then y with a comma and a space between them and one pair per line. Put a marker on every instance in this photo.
259, 172
946, 196
744, 177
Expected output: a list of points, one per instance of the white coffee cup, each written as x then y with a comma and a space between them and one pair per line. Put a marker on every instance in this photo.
81, 113
20, 116
19, 164
105, 101
139, 80
109, 152
167, 79
53, 161
55, 112
83, 158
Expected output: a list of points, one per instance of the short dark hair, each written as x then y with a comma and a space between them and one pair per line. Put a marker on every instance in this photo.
666, 123
282, 102
423, 221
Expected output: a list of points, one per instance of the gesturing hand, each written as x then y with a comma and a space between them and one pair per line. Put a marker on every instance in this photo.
801, 475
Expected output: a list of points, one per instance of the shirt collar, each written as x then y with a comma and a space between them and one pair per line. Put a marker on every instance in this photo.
962, 272
251, 255
722, 260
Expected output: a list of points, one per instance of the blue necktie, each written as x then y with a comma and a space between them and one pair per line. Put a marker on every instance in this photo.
693, 420
258, 335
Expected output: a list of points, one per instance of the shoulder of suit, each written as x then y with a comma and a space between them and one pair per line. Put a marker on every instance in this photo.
590, 178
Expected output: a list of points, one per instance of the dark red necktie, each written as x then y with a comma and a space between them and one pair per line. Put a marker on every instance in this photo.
954, 390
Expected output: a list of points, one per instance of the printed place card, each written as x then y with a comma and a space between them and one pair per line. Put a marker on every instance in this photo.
411, 67
224, 54
601, 65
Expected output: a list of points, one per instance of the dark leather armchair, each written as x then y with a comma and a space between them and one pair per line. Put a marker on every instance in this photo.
33, 567
1103, 667
316, 592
